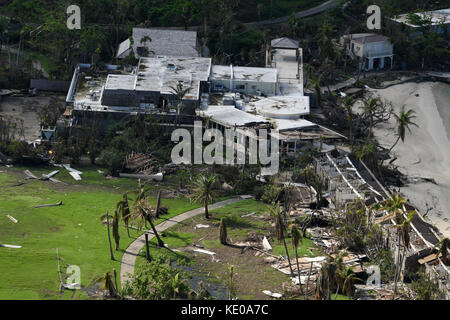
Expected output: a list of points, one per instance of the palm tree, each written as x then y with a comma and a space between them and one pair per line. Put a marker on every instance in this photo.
275, 212
203, 191
124, 209
442, 248
404, 121
179, 93
102, 218
394, 206
348, 103
108, 284
223, 232
348, 278
296, 240
369, 108
314, 82
142, 211
403, 230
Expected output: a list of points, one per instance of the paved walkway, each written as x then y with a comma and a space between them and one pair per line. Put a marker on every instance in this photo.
129, 257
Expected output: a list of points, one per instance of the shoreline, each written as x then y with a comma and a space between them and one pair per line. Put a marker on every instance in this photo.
425, 153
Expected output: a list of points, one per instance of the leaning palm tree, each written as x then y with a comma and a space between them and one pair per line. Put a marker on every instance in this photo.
124, 209
296, 240
102, 218
442, 248
203, 191
280, 229
108, 284
404, 121
143, 211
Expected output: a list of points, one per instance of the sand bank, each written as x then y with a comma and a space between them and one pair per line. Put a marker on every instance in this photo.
426, 150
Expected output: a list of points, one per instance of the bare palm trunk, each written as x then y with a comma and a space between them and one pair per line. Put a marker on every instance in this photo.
109, 238
147, 251
298, 271
160, 242
289, 259
397, 265
396, 141
337, 291
206, 210
307, 281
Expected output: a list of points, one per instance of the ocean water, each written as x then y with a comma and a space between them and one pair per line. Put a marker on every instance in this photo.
442, 96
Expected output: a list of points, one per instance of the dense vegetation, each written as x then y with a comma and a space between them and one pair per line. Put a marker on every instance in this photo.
38, 29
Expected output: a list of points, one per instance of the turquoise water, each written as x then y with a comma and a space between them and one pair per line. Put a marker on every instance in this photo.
442, 96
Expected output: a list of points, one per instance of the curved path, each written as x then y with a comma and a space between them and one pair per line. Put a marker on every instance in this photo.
130, 254
301, 14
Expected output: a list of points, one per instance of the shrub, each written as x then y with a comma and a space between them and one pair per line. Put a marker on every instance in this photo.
425, 287
272, 193
112, 160
156, 280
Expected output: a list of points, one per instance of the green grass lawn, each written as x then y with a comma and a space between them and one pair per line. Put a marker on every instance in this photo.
74, 228
253, 275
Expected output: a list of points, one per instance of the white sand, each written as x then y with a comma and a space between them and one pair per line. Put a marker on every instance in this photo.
426, 151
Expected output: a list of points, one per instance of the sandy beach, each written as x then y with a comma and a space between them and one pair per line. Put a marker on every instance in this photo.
426, 150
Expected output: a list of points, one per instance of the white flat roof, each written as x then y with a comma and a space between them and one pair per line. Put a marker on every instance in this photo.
437, 17
285, 124
160, 73
229, 116
282, 107
120, 81
219, 72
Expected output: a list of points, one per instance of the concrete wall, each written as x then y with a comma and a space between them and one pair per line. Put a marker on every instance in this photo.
250, 87
120, 98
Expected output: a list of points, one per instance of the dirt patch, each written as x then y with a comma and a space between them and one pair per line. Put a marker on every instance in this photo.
27, 109
252, 274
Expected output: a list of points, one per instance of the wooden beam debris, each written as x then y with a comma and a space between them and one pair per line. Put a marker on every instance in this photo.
12, 218
49, 205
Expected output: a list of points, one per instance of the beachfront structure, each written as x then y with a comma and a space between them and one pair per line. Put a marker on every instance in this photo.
438, 20
246, 80
153, 42
374, 51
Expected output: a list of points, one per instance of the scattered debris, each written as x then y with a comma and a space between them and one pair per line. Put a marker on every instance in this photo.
205, 251
273, 295
226, 186
248, 215
75, 175
73, 172
30, 175
49, 205
12, 219
266, 244
303, 279
50, 175
199, 226
10, 246
154, 177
